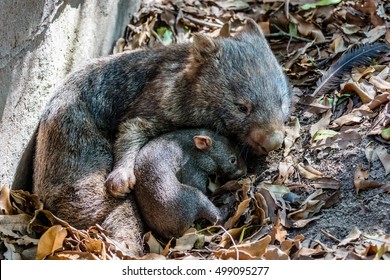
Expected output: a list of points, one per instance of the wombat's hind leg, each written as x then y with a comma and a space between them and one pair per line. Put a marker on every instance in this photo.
125, 227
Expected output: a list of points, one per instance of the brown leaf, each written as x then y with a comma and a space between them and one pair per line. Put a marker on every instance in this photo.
309, 172
326, 183
384, 157
247, 251
51, 241
323, 123
278, 232
292, 133
358, 88
229, 236
187, 241
360, 181
275, 254
5, 203
241, 209
351, 237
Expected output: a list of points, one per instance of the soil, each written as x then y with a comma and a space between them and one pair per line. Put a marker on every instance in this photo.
369, 211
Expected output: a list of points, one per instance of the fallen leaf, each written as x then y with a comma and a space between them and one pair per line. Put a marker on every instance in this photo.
354, 235
384, 157
275, 253
51, 241
360, 180
318, 130
292, 133
309, 172
247, 251
5, 203
241, 209
187, 241
326, 183
308, 6
358, 88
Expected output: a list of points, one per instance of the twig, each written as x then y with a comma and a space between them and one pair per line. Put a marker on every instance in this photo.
334, 238
202, 22
282, 33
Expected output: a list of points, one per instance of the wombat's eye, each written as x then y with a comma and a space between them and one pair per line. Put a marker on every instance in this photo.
243, 108
233, 160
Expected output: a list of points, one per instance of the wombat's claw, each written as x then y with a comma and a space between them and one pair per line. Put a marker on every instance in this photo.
118, 184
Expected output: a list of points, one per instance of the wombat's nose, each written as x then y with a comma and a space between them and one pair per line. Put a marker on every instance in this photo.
273, 141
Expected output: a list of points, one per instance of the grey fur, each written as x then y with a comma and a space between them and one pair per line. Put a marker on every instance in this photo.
172, 177
101, 115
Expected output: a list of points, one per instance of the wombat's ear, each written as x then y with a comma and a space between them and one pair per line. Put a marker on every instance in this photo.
204, 47
203, 142
252, 27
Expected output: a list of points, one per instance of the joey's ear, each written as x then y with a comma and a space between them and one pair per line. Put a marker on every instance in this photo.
203, 142
252, 28
204, 47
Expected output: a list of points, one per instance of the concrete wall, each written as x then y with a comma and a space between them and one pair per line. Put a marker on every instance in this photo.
41, 42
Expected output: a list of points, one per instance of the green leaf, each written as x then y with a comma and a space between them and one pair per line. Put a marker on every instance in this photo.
323, 134
309, 6
293, 29
165, 34
386, 134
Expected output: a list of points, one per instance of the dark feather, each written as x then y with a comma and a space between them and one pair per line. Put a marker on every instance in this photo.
361, 55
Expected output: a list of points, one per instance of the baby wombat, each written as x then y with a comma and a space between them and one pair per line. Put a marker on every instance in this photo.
172, 176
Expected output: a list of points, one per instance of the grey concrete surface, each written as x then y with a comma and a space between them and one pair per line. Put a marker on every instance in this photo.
41, 42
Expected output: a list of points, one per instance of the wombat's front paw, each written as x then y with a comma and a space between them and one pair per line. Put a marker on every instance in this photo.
120, 183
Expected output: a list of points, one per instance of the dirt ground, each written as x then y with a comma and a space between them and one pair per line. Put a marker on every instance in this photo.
369, 211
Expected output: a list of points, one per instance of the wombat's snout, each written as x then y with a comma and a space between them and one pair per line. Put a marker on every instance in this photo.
263, 141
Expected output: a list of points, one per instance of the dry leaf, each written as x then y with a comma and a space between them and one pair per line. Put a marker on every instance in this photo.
5, 203
384, 157
360, 180
241, 209
275, 254
187, 241
354, 235
51, 241
365, 96
247, 251
292, 133
326, 183
309, 172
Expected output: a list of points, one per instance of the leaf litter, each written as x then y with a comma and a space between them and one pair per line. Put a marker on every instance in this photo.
325, 196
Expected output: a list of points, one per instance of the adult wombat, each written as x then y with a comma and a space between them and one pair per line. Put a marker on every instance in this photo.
172, 173
102, 114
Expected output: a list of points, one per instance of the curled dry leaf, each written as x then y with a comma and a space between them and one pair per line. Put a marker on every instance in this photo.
154, 245
247, 251
354, 235
360, 180
51, 241
384, 157
380, 84
286, 169
292, 133
365, 96
326, 183
309, 172
321, 125
187, 241
5, 203
241, 209
229, 236
274, 253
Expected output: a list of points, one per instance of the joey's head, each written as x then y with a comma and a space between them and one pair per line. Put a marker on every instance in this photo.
248, 94
222, 154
